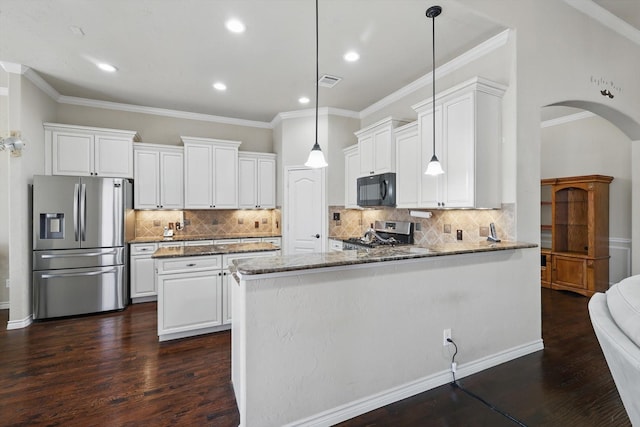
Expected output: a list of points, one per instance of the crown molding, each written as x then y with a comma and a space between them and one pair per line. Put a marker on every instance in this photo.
35, 78
567, 119
471, 55
310, 112
108, 105
606, 18
12, 67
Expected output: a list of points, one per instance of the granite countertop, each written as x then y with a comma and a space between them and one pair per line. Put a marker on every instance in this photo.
231, 248
178, 238
379, 254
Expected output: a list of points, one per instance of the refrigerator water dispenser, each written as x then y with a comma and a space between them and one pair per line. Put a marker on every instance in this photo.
52, 225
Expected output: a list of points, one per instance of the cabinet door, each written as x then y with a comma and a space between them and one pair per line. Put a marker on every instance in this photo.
247, 181
266, 183
383, 155
351, 174
171, 180
431, 187
569, 271
458, 158
72, 154
142, 277
189, 301
366, 149
225, 178
198, 176
113, 157
146, 180
226, 297
409, 169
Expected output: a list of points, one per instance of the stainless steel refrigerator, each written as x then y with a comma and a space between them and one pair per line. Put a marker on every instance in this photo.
80, 229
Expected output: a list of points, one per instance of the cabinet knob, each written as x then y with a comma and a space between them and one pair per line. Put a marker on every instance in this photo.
191, 265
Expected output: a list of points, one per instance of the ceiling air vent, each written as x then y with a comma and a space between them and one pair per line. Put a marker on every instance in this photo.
329, 81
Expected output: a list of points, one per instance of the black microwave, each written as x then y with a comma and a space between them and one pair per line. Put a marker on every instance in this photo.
377, 190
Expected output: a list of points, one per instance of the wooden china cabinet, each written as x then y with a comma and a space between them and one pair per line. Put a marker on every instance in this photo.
579, 253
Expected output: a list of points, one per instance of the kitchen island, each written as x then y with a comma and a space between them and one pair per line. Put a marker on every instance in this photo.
193, 286
321, 338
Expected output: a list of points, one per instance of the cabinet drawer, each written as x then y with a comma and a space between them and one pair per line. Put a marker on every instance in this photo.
187, 264
227, 259
198, 242
143, 248
170, 244
225, 241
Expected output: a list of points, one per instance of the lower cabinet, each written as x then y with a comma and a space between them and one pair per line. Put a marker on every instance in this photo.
194, 293
580, 274
142, 285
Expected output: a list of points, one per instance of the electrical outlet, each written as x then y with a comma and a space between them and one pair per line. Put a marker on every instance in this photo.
256, 224
336, 216
459, 234
446, 334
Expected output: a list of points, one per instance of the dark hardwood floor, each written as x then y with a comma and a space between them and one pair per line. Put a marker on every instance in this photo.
110, 370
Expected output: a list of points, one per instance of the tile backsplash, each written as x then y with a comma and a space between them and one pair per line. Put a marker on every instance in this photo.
354, 222
209, 222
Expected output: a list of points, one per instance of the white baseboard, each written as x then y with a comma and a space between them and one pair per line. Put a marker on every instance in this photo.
378, 400
19, 324
4, 305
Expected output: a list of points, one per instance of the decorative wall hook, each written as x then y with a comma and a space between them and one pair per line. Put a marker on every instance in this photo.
606, 92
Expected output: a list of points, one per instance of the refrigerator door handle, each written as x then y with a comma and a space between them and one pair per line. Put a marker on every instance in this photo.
75, 255
75, 211
83, 212
92, 273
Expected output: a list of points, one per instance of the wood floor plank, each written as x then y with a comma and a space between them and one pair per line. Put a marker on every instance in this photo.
110, 370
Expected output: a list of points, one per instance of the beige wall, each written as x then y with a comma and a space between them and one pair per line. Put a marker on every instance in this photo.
31, 107
165, 130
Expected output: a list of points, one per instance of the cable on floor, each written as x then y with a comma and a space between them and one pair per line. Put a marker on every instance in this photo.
472, 394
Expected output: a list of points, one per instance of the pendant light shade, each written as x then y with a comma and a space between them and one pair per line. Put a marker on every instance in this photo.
316, 158
434, 167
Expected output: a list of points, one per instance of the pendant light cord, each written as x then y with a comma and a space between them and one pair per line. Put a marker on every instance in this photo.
317, 73
433, 76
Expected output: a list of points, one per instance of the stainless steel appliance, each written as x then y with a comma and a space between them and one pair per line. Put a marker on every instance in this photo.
80, 229
384, 233
377, 190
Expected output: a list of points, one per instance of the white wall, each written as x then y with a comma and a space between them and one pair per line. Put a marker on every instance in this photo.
594, 146
4, 191
341, 135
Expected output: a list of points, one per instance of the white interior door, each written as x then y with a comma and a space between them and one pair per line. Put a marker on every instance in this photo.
305, 216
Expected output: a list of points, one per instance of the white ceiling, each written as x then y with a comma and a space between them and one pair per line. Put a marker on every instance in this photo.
169, 52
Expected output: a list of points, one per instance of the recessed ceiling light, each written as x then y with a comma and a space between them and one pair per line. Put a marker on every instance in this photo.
107, 67
235, 26
220, 86
303, 100
351, 56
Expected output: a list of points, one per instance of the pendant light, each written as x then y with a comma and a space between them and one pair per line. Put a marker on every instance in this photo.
316, 158
434, 167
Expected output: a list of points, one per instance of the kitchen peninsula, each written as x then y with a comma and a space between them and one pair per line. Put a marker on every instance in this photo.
321, 338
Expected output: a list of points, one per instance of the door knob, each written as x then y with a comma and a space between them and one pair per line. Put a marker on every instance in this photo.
317, 236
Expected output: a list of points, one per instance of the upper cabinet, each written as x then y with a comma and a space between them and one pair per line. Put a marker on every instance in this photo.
408, 165
351, 174
158, 177
257, 180
88, 151
210, 173
468, 144
376, 147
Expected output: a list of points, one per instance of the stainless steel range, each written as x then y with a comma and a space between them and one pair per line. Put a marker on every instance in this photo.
384, 233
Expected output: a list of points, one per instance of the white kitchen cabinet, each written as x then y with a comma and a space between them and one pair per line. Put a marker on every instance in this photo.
256, 180
335, 245
408, 165
198, 242
275, 241
142, 286
171, 244
351, 174
189, 296
376, 147
210, 173
88, 151
468, 144
158, 177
